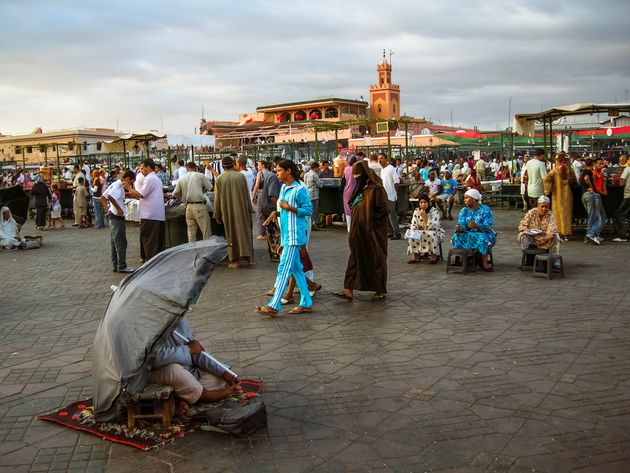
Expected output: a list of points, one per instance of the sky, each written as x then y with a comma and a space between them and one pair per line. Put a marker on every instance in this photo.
137, 65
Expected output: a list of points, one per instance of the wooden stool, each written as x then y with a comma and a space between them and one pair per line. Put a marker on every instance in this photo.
154, 402
527, 259
461, 258
549, 263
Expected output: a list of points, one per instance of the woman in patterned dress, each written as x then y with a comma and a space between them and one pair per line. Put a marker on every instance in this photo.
425, 221
538, 227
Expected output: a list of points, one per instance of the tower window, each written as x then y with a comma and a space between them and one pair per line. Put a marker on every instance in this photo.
380, 109
394, 108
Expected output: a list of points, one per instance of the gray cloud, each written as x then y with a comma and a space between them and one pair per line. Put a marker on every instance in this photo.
72, 63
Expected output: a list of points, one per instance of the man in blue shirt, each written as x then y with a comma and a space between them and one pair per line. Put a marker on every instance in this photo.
449, 189
295, 208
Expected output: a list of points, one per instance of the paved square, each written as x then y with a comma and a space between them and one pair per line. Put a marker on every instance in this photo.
486, 372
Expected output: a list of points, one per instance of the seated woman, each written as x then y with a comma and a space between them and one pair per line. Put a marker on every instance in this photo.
426, 222
9, 230
474, 229
538, 228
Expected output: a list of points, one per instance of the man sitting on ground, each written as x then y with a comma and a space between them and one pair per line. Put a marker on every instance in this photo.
180, 363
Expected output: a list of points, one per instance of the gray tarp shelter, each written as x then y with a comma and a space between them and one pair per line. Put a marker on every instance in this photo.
142, 311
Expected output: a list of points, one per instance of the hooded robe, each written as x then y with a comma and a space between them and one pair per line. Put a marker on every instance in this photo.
367, 263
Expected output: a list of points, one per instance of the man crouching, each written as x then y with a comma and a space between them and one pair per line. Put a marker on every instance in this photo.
179, 362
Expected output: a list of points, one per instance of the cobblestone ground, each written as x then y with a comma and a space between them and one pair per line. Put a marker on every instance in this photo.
488, 372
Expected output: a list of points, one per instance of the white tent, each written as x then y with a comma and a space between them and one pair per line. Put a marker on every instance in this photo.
190, 140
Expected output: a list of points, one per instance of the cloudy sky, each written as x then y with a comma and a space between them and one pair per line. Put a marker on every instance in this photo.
154, 64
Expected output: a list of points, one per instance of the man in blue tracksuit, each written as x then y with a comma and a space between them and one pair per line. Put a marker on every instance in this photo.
294, 206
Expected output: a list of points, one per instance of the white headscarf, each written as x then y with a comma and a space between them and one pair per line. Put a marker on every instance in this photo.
543, 198
474, 193
8, 230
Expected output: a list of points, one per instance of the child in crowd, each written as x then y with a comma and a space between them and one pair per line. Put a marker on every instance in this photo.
81, 195
56, 207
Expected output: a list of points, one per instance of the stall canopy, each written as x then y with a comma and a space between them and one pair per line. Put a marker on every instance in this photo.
190, 140
145, 309
524, 123
138, 137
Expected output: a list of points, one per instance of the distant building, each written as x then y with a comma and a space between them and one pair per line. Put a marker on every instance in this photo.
40, 146
384, 96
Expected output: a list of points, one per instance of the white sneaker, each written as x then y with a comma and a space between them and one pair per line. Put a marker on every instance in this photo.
619, 239
128, 269
599, 240
592, 239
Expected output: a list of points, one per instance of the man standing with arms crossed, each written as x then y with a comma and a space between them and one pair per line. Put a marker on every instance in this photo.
114, 195
192, 187
390, 183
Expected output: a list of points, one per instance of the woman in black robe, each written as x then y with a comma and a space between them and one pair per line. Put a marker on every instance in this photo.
367, 263
42, 195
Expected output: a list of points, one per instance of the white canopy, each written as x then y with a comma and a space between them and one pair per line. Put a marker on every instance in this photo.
524, 123
190, 140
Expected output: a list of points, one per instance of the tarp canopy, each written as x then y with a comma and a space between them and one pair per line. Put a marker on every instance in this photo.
524, 123
137, 137
144, 310
190, 140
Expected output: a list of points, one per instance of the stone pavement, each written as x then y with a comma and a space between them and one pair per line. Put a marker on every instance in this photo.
489, 372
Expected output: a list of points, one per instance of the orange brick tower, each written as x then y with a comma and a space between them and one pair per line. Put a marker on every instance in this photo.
384, 96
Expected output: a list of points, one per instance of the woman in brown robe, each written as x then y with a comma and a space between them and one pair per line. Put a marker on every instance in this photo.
367, 263
558, 183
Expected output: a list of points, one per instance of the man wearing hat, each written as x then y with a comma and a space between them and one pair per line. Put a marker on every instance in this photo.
233, 207
474, 229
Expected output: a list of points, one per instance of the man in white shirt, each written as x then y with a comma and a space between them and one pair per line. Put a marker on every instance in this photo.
151, 209
114, 200
535, 172
390, 183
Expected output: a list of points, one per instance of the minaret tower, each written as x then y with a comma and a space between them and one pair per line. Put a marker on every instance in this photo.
384, 96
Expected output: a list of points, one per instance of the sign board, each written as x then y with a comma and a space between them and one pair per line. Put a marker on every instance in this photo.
609, 132
382, 127
613, 112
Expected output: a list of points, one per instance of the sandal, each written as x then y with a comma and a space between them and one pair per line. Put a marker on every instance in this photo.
301, 310
234, 266
413, 261
271, 292
433, 260
284, 301
341, 295
378, 296
317, 288
266, 310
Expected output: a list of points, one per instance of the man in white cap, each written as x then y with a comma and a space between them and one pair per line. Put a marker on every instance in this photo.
474, 229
